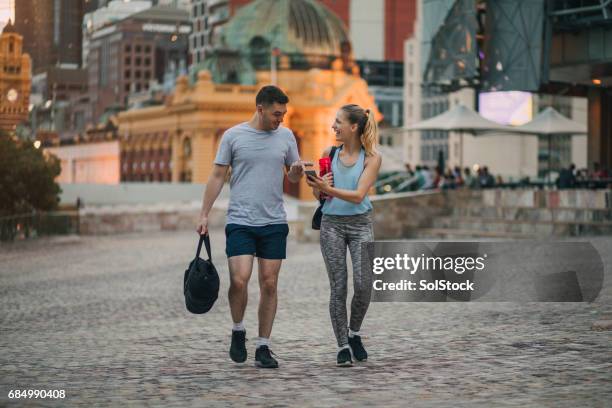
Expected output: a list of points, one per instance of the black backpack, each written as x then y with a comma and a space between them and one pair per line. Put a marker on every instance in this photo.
201, 281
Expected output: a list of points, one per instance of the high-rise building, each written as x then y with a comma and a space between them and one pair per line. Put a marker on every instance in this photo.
126, 56
107, 14
51, 31
14, 79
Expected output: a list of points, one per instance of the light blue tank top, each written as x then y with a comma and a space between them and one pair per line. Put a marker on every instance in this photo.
346, 178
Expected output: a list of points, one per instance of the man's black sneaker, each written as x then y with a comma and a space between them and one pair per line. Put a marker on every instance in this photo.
238, 352
359, 352
344, 358
264, 359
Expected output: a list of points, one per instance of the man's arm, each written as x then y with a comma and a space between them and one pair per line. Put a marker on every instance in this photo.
296, 171
213, 188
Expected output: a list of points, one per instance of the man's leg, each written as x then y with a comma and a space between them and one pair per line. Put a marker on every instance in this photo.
271, 250
241, 267
268, 281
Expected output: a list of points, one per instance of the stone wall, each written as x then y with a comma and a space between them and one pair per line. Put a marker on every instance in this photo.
554, 213
395, 215
102, 221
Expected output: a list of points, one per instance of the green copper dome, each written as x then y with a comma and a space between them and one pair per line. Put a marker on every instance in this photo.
293, 26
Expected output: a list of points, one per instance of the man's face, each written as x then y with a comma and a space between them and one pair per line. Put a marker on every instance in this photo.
272, 115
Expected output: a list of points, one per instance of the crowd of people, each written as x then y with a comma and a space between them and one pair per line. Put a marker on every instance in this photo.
571, 177
424, 178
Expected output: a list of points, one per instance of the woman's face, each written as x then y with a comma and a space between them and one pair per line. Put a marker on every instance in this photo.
342, 127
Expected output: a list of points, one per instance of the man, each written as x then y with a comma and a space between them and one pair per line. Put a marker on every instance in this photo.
256, 224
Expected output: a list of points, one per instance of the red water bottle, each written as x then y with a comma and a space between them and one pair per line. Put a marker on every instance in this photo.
324, 168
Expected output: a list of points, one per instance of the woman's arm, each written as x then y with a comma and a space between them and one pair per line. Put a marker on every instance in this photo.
366, 181
315, 191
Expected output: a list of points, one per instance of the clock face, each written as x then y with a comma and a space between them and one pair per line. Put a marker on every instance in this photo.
11, 95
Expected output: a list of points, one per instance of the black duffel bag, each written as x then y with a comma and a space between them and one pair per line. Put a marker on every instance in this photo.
201, 281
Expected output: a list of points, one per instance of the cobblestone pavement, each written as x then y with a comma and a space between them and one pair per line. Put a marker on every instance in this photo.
103, 319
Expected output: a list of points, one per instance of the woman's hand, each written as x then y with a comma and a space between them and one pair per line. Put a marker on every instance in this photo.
321, 183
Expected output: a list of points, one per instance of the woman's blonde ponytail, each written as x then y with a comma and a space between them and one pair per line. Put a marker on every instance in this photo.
366, 125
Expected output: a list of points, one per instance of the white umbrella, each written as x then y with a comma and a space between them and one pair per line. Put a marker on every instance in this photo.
459, 119
549, 122
392, 159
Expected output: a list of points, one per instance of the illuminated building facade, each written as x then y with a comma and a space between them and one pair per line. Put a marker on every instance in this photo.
178, 141
15, 80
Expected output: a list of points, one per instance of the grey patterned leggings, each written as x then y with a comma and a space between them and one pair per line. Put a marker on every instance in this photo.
338, 232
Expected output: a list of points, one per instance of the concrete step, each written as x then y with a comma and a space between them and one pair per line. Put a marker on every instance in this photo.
541, 228
457, 233
534, 214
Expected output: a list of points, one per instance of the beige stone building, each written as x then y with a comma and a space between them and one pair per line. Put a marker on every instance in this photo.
188, 128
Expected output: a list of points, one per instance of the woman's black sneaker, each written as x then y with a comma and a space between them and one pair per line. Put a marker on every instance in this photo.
264, 359
359, 352
238, 352
344, 358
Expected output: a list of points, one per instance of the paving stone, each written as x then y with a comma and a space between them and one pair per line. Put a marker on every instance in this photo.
103, 318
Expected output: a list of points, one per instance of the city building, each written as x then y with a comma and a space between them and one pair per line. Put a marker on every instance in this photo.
108, 14
377, 30
177, 141
437, 78
95, 162
127, 56
51, 32
14, 79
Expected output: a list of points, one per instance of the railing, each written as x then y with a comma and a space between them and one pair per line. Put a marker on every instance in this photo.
24, 226
401, 182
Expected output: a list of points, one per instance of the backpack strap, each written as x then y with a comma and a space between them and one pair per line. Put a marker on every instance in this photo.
332, 152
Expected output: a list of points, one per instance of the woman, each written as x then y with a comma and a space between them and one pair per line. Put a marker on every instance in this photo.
347, 222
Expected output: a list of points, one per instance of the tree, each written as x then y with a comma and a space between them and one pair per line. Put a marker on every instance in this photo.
27, 178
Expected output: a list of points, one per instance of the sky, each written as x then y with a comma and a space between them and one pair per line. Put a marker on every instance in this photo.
6, 11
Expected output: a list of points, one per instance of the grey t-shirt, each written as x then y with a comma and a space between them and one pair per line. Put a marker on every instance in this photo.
257, 158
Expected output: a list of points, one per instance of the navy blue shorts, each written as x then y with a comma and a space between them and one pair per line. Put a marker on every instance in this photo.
268, 241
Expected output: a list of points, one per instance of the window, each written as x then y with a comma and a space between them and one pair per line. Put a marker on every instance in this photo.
137, 74
128, 48
138, 48
138, 61
127, 73
147, 62
147, 49
127, 61
147, 75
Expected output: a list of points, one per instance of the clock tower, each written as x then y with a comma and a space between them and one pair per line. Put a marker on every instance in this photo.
15, 79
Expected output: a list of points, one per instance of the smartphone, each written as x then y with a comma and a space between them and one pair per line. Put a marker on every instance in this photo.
311, 173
